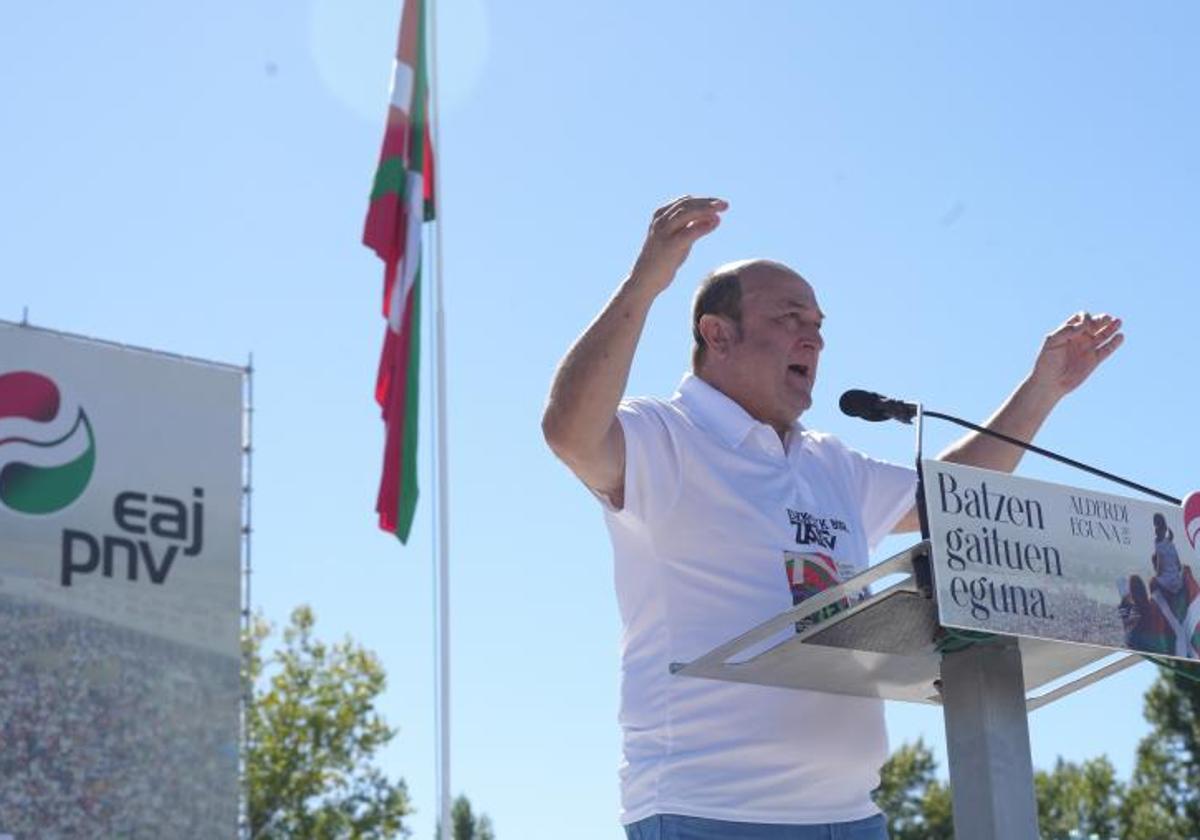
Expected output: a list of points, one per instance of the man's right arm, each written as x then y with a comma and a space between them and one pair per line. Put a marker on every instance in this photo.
580, 422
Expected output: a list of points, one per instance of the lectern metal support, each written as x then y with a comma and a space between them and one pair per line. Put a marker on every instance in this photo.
987, 741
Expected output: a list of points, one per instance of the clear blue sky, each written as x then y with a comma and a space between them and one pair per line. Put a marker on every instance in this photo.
954, 181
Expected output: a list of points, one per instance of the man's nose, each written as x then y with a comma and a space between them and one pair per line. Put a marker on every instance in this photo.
812, 339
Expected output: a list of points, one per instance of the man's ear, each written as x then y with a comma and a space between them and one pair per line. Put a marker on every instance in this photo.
718, 333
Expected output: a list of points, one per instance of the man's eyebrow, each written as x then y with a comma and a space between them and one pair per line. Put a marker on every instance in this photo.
793, 303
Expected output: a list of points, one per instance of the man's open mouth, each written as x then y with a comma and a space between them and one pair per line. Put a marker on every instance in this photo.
800, 369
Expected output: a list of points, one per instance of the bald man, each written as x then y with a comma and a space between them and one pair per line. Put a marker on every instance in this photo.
711, 498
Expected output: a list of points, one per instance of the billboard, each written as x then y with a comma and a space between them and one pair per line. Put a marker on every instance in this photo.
120, 559
1029, 558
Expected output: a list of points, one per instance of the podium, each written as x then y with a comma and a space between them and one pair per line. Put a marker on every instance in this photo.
918, 636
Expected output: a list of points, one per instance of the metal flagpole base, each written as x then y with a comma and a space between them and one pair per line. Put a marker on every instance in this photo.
987, 740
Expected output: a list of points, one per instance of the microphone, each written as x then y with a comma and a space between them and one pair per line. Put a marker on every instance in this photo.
868, 405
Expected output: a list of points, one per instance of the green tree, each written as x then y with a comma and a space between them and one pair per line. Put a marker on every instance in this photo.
1073, 800
312, 733
1163, 801
916, 803
467, 826
1079, 800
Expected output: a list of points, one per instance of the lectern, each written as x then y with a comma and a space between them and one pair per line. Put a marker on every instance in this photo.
1019, 593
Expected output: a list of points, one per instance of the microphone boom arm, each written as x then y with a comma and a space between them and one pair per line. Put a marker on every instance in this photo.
1052, 456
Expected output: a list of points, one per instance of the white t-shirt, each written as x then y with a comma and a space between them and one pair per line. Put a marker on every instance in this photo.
712, 502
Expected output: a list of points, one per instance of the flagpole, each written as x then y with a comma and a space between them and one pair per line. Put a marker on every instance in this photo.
443, 490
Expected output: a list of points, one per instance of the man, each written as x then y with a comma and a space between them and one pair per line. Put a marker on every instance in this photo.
703, 495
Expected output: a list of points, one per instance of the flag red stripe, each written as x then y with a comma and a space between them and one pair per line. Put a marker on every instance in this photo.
428, 175
383, 378
395, 137
410, 29
394, 374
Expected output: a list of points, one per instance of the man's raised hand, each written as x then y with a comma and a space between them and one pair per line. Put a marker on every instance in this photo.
674, 229
1075, 349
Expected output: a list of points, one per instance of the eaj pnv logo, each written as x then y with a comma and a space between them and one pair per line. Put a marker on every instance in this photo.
46, 457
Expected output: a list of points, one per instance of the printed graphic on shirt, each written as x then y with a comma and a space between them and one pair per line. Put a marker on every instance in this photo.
816, 531
808, 575
814, 570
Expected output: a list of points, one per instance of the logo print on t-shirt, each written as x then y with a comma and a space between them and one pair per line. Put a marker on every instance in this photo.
809, 575
815, 569
814, 530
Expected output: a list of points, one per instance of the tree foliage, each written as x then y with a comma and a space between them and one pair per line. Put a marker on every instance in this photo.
1084, 801
465, 825
312, 732
916, 803
1164, 794
1079, 800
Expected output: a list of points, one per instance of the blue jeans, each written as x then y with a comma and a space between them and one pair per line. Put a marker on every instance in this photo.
675, 827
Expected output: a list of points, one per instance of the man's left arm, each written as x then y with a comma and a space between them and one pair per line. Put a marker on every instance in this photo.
1069, 355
